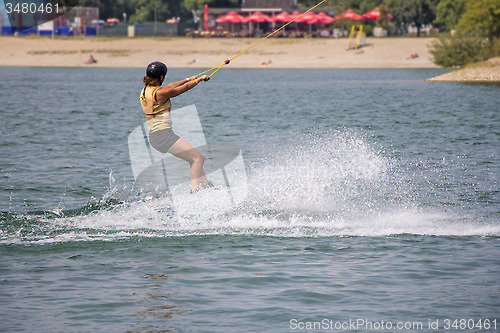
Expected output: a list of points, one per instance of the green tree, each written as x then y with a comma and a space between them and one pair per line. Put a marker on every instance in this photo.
418, 12
368, 5
341, 5
448, 12
482, 16
309, 3
383, 20
108, 8
144, 10
200, 4
458, 50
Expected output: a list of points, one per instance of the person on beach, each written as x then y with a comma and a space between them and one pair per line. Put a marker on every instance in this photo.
266, 64
155, 101
90, 61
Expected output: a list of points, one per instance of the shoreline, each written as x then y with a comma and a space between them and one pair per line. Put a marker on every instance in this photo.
486, 71
177, 52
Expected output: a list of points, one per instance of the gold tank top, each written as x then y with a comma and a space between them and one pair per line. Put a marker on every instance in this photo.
157, 115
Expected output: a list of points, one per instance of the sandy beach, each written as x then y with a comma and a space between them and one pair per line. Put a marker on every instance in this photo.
209, 52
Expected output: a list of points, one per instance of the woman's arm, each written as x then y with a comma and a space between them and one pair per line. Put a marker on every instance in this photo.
180, 83
177, 88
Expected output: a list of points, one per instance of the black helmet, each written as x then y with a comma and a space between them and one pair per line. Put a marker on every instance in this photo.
156, 69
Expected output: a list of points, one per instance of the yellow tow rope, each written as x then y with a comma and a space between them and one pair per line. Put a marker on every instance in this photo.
248, 48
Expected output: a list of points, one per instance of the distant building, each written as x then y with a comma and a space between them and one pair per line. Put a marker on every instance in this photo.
78, 21
23, 18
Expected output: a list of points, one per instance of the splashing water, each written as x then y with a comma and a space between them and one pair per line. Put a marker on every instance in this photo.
336, 184
337, 174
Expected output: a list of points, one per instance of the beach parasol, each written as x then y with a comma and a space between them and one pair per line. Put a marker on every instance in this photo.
325, 19
374, 14
349, 15
309, 18
283, 17
294, 15
257, 17
230, 17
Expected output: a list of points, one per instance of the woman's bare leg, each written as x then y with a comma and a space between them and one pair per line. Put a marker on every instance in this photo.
183, 150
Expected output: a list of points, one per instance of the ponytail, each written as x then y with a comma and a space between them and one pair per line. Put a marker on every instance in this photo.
149, 81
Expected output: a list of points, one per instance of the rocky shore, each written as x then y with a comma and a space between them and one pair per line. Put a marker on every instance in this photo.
487, 71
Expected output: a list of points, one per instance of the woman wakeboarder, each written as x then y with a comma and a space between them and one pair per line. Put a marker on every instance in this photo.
155, 101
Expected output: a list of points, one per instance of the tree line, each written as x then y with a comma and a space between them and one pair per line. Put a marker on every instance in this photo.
444, 14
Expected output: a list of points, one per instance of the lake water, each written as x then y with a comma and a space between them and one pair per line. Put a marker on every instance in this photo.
373, 199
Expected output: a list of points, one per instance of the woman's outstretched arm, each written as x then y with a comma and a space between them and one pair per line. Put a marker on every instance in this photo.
180, 83
177, 88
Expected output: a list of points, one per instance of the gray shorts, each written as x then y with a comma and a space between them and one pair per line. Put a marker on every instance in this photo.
162, 140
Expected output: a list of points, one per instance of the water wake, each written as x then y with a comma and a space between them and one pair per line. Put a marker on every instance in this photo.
336, 184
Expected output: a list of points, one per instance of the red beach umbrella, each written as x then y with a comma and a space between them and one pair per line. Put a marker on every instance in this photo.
325, 19
374, 14
283, 17
230, 17
309, 18
294, 15
349, 15
257, 17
